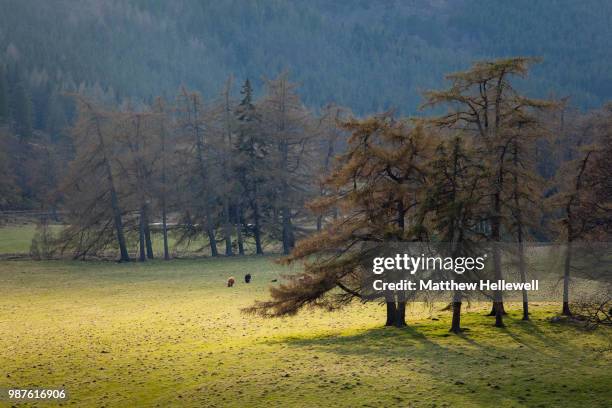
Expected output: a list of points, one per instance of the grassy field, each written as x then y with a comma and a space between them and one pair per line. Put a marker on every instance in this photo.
171, 334
16, 239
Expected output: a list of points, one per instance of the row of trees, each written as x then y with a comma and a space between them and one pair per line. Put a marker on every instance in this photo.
474, 174
230, 171
497, 167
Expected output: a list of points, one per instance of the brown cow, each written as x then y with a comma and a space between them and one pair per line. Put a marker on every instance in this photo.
230, 282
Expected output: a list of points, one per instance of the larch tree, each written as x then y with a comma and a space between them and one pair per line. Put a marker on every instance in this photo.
331, 136
227, 188
287, 125
484, 104
453, 203
585, 191
191, 123
166, 147
138, 154
524, 198
90, 189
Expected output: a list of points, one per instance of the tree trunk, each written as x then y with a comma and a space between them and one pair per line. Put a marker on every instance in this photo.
400, 215
239, 231
493, 308
456, 322
257, 230
227, 229
492, 312
523, 279
519, 226
163, 182
199, 142
391, 313
400, 314
165, 231
211, 239
499, 314
125, 257
497, 267
288, 238
496, 218
141, 236
566, 278
147, 232
525, 310
240, 240
571, 236
319, 222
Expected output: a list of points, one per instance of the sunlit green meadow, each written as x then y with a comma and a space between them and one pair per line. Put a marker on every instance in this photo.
172, 334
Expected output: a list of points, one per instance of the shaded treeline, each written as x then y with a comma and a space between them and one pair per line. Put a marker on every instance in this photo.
230, 172
369, 55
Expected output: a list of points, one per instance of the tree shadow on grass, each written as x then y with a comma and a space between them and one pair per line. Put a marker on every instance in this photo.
530, 334
431, 341
381, 342
484, 364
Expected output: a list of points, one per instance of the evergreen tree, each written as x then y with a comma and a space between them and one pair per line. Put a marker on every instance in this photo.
251, 164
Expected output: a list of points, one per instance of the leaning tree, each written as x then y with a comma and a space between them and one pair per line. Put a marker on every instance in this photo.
91, 189
375, 186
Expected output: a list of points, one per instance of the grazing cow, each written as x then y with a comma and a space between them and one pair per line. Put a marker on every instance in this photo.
230, 282
247, 278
